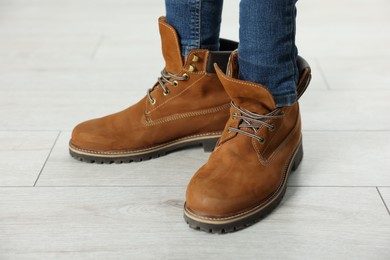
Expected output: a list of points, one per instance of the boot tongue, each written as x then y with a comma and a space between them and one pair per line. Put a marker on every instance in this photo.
170, 47
251, 96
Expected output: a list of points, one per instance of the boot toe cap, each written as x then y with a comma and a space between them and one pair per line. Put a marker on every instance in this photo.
89, 136
207, 198
224, 188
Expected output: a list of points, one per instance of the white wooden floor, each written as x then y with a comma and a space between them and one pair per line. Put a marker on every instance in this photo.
65, 61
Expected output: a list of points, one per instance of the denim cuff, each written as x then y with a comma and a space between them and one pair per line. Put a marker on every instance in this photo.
185, 50
285, 100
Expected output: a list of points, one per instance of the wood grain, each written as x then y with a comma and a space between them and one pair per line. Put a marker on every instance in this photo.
66, 61
175, 169
146, 223
23, 155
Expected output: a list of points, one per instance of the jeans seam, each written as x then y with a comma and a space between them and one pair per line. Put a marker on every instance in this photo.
292, 34
200, 24
194, 27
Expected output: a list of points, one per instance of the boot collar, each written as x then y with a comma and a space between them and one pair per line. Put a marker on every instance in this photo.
251, 96
170, 47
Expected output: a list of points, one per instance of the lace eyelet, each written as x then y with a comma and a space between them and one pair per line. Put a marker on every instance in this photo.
186, 76
166, 93
192, 68
152, 102
195, 58
272, 128
262, 140
234, 115
175, 84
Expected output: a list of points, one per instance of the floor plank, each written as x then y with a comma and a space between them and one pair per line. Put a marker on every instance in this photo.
146, 223
356, 28
345, 110
89, 16
350, 74
65, 61
321, 110
55, 110
30, 50
23, 155
344, 159
385, 194
175, 169
331, 159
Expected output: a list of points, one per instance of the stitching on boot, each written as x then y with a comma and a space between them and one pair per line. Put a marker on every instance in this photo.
282, 145
185, 115
145, 149
178, 95
204, 61
264, 202
248, 84
175, 35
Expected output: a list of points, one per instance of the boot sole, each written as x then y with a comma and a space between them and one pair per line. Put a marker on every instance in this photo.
250, 217
208, 142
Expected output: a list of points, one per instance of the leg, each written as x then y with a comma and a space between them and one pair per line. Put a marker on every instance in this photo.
267, 53
187, 106
246, 176
197, 22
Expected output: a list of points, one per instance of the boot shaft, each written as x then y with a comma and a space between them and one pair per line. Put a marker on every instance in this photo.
254, 111
201, 88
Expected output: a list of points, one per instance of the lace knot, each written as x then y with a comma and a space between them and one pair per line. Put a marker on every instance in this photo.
252, 121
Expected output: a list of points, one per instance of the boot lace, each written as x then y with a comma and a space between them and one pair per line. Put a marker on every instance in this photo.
165, 79
253, 121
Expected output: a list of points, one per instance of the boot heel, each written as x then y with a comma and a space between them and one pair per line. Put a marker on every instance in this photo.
209, 145
298, 158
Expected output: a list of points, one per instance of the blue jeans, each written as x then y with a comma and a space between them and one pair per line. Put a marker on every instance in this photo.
266, 54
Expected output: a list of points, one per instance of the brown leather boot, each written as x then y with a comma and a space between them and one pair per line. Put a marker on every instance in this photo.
246, 175
187, 106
